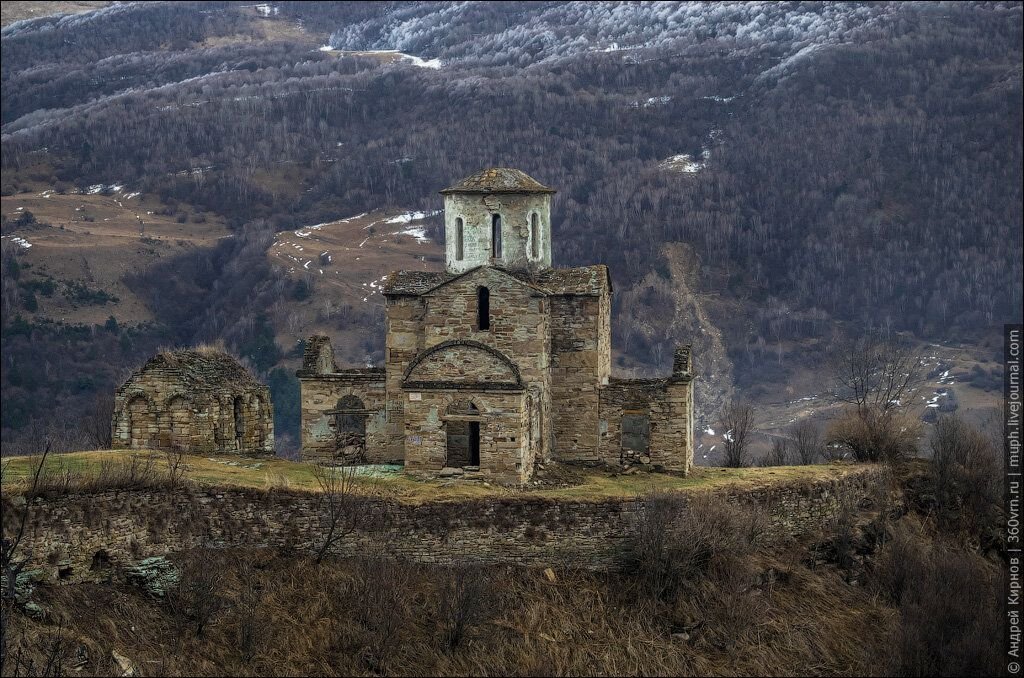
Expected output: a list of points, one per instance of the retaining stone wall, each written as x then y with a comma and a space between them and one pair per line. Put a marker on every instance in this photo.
65, 534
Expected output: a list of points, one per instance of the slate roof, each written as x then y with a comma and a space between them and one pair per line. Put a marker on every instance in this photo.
498, 180
414, 283
582, 281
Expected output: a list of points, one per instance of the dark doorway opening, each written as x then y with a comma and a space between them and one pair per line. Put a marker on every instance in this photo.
463, 435
474, 443
350, 430
239, 420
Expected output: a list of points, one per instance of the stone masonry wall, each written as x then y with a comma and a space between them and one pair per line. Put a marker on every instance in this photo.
665, 404
515, 209
403, 342
320, 395
518, 330
73, 534
576, 365
504, 440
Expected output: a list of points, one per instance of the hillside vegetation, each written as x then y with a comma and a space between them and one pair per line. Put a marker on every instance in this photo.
826, 167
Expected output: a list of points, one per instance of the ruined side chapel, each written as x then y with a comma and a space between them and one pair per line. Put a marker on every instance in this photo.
197, 401
497, 363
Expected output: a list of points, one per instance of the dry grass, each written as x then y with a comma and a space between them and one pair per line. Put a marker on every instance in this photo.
270, 473
750, 607
312, 620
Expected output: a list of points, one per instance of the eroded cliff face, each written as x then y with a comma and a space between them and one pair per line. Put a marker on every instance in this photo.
661, 312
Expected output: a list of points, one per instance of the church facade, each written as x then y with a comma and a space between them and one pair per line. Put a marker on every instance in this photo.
497, 363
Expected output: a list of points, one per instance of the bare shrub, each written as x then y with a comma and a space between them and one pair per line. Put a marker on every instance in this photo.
842, 526
13, 558
57, 478
96, 423
380, 597
966, 477
175, 459
249, 605
198, 594
875, 436
737, 420
948, 624
807, 441
677, 540
134, 471
464, 600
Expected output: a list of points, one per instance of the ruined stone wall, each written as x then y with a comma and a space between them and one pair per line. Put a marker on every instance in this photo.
321, 396
666, 406
504, 439
515, 209
575, 376
155, 409
604, 338
67, 533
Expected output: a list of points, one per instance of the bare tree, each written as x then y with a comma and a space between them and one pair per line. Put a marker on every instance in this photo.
343, 509
807, 441
877, 378
737, 420
97, 421
779, 454
876, 374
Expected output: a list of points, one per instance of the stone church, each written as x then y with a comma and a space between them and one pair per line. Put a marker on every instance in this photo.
497, 363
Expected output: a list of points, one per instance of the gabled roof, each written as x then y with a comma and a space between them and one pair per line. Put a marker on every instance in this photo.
498, 180
581, 281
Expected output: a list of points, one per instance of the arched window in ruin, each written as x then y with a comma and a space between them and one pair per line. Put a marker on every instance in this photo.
141, 422
179, 416
257, 413
496, 236
534, 236
483, 308
239, 420
462, 428
459, 251
350, 429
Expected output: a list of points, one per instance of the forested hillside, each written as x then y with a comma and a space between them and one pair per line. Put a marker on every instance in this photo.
828, 165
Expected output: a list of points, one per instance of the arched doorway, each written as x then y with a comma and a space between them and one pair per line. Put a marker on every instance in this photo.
462, 427
141, 423
239, 417
350, 430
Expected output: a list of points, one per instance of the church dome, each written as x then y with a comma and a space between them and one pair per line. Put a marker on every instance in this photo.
498, 180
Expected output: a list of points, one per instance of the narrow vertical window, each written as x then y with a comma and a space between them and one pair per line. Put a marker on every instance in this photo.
496, 236
483, 308
458, 239
534, 233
